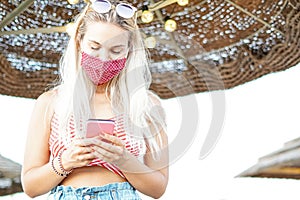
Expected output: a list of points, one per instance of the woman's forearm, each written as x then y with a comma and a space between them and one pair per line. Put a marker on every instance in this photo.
40, 180
152, 184
146, 180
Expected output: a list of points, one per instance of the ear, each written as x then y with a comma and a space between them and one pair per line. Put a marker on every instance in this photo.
78, 41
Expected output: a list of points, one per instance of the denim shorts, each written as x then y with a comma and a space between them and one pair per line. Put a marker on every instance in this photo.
114, 191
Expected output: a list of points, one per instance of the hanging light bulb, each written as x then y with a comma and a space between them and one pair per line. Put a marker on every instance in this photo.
147, 15
170, 24
150, 42
73, 1
182, 2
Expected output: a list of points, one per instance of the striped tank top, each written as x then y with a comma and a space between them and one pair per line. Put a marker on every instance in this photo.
57, 144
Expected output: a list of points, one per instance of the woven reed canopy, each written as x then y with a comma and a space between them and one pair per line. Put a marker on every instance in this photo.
283, 163
10, 177
217, 45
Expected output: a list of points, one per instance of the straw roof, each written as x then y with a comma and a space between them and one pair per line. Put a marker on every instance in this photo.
10, 177
283, 163
217, 45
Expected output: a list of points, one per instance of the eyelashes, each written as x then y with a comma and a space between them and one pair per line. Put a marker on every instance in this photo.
114, 50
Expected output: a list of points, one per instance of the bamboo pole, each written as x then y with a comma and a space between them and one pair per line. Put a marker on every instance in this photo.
23, 6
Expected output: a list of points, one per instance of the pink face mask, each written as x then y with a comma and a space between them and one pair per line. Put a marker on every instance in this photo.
100, 71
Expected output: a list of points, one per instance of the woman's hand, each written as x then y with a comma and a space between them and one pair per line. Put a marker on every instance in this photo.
80, 153
111, 149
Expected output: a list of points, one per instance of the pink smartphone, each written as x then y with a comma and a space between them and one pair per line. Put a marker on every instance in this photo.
97, 126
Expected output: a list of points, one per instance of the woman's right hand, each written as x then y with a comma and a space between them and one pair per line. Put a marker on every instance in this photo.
78, 154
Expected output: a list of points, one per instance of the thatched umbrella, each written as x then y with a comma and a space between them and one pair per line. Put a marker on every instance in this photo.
283, 163
217, 45
10, 177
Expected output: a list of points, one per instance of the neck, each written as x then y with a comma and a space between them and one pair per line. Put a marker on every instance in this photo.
101, 89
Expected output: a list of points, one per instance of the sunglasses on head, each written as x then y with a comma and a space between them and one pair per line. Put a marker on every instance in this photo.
123, 10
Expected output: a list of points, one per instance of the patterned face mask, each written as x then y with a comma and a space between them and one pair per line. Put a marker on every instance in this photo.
100, 71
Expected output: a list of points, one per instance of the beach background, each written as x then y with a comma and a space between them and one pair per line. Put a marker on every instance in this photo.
260, 116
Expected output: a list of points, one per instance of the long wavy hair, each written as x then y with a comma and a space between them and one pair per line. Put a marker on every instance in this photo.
128, 92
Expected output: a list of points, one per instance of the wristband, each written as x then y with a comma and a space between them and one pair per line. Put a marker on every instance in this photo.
65, 172
54, 169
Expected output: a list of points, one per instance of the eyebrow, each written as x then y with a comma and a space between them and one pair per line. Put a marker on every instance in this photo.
120, 45
115, 46
93, 41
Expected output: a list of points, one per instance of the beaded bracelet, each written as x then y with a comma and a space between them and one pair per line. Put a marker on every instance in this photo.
54, 169
65, 172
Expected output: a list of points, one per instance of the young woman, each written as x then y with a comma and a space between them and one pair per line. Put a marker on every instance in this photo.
104, 75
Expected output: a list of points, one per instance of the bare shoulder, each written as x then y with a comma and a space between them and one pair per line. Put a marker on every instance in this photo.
46, 97
45, 102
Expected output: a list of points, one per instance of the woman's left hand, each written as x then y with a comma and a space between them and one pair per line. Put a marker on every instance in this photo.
111, 149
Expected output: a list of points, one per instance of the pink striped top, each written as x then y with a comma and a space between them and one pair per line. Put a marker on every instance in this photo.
57, 144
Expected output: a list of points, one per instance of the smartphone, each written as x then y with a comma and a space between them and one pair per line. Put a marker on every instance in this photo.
95, 127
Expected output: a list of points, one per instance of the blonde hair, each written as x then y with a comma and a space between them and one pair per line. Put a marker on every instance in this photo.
128, 91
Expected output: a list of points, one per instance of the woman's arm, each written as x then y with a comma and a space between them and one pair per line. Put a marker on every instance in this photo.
37, 175
150, 177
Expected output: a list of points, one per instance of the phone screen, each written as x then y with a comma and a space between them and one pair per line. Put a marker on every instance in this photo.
97, 126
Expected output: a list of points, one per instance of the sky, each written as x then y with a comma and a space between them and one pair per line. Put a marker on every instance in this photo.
260, 116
